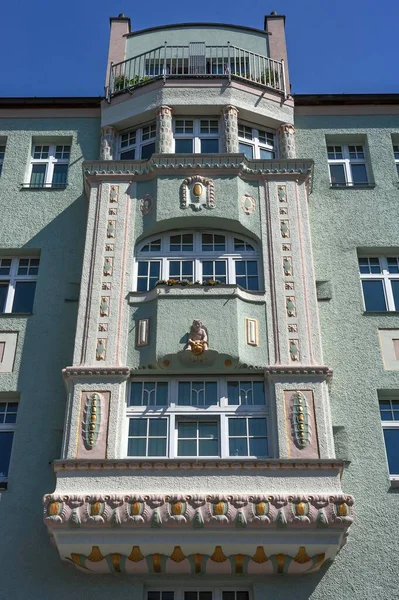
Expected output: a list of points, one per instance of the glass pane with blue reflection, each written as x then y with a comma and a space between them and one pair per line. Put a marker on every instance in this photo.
6, 438
3, 295
395, 292
60, 175
183, 146
391, 437
147, 151
374, 296
209, 146
359, 174
337, 173
24, 296
38, 175
246, 149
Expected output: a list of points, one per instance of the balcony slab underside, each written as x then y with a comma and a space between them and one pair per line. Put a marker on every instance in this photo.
180, 533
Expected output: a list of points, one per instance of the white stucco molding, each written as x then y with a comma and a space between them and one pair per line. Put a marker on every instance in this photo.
194, 291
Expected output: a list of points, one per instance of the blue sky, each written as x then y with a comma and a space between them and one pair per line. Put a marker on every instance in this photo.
335, 46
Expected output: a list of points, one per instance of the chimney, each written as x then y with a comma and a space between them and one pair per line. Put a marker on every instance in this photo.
120, 26
275, 27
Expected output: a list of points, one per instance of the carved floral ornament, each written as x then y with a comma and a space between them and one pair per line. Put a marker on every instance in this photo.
199, 511
197, 192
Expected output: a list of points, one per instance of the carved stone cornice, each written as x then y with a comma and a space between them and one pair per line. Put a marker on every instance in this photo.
178, 464
299, 370
120, 372
159, 163
199, 511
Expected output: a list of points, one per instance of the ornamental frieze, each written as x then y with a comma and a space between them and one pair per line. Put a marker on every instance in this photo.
197, 511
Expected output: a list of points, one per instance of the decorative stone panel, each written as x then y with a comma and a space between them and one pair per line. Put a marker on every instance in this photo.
8, 346
230, 129
301, 424
286, 141
92, 442
164, 130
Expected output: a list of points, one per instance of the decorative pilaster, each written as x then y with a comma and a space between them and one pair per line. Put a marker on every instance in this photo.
108, 143
230, 129
164, 130
286, 141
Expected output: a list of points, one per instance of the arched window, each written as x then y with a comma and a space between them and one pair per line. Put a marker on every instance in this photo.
197, 257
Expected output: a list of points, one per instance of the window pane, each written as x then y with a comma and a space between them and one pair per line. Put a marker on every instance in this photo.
24, 296
157, 447
232, 392
257, 427
187, 430
259, 392
395, 292
184, 146
337, 173
138, 427
60, 174
38, 175
162, 393
208, 430
147, 151
6, 438
184, 398
393, 266
211, 390
209, 146
157, 427
187, 448
3, 295
238, 446
258, 447
391, 437
135, 393
208, 448
136, 447
237, 427
246, 149
266, 154
374, 297
205, 596
359, 174
128, 155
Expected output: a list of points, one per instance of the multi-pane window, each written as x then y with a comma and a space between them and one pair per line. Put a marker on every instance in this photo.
379, 276
214, 594
17, 284
2, 153
49, 166
197, 257
389, 411
138, 143
8, 417
196, 136
396, 155
256, 143
197, 418
348, 165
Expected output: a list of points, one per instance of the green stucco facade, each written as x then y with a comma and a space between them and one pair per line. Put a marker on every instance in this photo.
274, 525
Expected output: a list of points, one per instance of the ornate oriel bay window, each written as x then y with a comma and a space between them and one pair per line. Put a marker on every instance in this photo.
197, 418
197, 257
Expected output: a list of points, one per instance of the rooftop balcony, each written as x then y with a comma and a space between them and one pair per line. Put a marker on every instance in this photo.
196, 60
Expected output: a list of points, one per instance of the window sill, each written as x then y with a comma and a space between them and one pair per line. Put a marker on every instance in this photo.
392, 313
367, 186
16, 314
166, 291
46, 186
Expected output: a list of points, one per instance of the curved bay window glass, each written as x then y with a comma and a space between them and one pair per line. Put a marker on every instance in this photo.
197, 257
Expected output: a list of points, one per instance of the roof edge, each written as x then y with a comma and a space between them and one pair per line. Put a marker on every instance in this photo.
181, 25
344, 99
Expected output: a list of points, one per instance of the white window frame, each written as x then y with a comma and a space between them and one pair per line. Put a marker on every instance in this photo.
217, 592
396, 156
140, 140
196, 135
50, 162
385, 276
220, 412
394, 424
2, 154
255, 142
198, 256
347, 161
13, 277
6, 428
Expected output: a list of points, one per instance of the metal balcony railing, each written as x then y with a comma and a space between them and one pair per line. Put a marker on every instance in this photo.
197, 60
